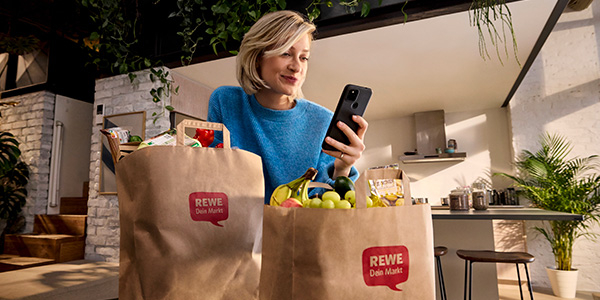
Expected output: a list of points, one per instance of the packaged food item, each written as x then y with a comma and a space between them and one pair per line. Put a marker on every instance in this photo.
168, 138
387, 192
120, 133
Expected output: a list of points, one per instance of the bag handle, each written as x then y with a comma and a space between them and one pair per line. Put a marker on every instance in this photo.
187, 123
113, 144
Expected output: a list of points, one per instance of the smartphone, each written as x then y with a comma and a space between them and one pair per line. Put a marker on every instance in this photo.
353, 101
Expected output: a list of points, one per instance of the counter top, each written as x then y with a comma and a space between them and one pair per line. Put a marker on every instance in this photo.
503, 214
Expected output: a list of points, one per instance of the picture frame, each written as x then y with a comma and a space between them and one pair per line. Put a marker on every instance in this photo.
135, 122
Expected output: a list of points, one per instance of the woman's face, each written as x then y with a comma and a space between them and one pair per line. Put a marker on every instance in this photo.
285, 73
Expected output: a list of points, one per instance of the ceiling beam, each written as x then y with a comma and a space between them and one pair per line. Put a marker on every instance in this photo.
552, 20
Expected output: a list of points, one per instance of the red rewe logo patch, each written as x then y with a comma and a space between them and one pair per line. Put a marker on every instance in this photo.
385, 266
210, 207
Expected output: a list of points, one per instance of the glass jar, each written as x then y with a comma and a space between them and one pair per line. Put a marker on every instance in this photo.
480, 199
459, 199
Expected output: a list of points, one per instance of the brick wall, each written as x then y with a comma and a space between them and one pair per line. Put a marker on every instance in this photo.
118, 95
561, 94
31, 121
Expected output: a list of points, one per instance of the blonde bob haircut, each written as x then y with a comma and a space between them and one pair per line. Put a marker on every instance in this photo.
273, 34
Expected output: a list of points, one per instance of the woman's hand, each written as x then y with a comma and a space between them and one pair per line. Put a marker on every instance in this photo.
347, 155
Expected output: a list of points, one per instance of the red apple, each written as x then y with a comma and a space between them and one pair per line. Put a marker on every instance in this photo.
291, 202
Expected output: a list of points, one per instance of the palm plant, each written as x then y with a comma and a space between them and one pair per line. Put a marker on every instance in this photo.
553, 182
14, 176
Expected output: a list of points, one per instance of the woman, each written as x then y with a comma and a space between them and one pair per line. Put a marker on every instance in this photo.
268, 115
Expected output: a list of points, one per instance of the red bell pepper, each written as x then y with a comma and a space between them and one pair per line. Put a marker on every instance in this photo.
205, 136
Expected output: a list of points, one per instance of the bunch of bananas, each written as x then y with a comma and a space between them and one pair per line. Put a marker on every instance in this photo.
296, 189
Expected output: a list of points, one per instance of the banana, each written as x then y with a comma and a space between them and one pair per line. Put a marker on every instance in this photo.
297, 188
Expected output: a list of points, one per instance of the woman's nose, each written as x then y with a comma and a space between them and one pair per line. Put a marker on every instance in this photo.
294, 66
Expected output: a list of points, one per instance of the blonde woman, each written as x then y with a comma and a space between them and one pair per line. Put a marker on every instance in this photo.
268, 115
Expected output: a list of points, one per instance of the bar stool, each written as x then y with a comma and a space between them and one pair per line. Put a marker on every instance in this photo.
440, 251
486, 256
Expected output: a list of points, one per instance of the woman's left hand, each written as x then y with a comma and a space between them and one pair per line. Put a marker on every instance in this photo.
347, 155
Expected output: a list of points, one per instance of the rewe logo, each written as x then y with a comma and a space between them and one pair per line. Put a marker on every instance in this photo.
385, 266
211, 207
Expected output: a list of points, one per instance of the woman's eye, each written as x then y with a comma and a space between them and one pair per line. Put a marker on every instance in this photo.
305, 58
285, 54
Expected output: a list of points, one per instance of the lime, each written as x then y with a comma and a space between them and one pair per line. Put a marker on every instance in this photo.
135, 138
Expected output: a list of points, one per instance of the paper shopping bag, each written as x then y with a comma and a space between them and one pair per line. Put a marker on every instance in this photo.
362, 253
190, 221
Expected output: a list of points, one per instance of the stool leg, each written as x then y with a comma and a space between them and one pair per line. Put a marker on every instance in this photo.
528, 282
441, 278
470, 278
519, 277
444, 297
466, 274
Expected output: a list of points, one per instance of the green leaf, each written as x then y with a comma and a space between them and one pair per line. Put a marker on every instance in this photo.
281, 4
169, 108
94, 36
366, 8
147, 63
220, 9
223, 35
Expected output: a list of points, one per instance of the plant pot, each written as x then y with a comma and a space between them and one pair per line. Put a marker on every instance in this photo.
564, 283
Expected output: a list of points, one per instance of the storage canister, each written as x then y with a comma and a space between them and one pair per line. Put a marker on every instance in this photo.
459, 199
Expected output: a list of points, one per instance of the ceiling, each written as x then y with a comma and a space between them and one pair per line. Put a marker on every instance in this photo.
422, 65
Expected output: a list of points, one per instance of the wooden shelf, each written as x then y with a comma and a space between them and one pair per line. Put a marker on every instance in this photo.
444, 157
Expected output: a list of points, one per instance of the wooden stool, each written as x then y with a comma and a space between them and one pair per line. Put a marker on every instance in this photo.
440, 251
486, 256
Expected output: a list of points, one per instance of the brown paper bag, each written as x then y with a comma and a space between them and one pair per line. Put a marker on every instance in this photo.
190, 221
362, 253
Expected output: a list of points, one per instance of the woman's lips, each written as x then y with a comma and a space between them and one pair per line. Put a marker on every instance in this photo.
290, 79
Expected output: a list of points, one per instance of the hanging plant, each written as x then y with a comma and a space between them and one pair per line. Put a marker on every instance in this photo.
228, 20
484, 14
114, 45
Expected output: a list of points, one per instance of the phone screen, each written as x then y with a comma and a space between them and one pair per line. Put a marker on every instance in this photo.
353, 101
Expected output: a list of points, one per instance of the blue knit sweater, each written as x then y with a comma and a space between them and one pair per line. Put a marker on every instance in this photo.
288, 141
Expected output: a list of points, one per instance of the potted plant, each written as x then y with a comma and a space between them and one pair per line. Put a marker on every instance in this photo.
14, 176
554, 182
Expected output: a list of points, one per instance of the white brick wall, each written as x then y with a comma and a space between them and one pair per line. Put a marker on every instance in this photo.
561, 94
118, 95
31, 121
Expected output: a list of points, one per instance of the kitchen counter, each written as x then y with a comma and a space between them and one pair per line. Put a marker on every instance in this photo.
504, 213
474, 230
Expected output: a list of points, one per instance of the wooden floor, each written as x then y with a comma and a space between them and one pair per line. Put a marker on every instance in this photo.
510, 291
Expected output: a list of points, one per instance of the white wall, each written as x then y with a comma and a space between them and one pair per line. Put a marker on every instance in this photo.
561, 94
483, 135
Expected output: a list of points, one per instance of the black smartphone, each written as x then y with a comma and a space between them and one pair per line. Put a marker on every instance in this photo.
353, 101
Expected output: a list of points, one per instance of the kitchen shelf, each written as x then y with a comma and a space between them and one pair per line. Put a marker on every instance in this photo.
444, 157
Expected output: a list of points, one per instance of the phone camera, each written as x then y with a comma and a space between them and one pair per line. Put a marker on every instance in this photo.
352, 95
